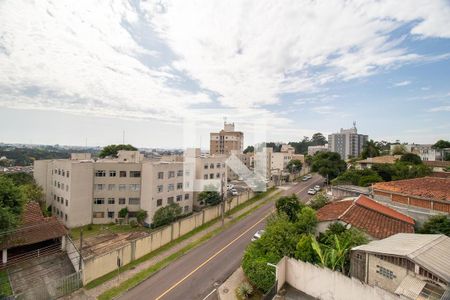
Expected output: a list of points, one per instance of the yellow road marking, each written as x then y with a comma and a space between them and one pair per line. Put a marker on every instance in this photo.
212, 257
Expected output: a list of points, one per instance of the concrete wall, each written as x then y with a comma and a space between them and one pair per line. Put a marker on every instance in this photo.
325, 284
97, 266
376, 279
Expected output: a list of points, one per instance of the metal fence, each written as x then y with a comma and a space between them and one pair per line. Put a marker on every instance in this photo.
53, 290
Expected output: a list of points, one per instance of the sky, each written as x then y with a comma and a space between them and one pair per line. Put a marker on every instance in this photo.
84, 72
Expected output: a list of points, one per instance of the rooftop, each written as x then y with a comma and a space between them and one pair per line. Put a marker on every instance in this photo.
426, 187
385, 159
35, 228
437, 163
375, 219
431, 251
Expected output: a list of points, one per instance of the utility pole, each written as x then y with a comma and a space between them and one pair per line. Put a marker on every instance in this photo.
81, 249
222, 202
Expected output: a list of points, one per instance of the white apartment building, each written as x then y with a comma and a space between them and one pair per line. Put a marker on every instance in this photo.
314, 149
348, 143
226, 140
425, 151
279, 160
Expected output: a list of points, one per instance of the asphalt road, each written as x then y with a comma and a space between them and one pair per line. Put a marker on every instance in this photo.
198, 273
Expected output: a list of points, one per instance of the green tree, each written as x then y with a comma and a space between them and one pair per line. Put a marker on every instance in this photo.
288, 205
363, 177
447, 156
123, 212
166, 215
32, 192
439, 224
318, 139
281, 236
20, 178
254, 265
294, 165
209, 197
304, 250
411, 158
141, 216
318, 201
441, 144
328, 164
113, 150
11, 204
385, 171
249, 149
370, 149
306, 221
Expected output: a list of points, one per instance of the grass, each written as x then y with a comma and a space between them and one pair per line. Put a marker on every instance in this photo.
144, 274
5, 287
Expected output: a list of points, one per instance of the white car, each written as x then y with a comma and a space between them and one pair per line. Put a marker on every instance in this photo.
317, 188
258, 235
234, 192
230, 186
309, 176
312, 192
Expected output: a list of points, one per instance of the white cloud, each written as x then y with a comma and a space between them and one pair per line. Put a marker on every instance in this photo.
402, 83
105, 58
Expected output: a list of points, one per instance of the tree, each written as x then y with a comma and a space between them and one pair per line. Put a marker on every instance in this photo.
363, 177
370, 149
439, 224
113, 150
249, 149
318, 201
304, 250
209, 197
447, 156
398, 150
11, 204
254, 265
20, 178
441, 144
306, 221
294, 165
328, 164
411, 158
166, 215
288, 205
281, 236
32, 192
385, 171
141, 216
123, 212
318, 139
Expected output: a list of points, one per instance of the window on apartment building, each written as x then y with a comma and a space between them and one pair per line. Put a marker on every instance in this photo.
171, 174
186, 209
160, 175
170, 200
205, 176
111, 187
171, 187
179, 198
111, 214
135, 187
65, 217
122, 201
187, 173
211, 176
67, 188
123, 174
59, 185
59, 171
99, 214
179, 173
218, 175
135, 173
57, 211
99, 200
134, 201
62, 186
54, 197
68, 174
55, 172
218, 165
186, 184
112, 173
211, 166
206, 166
159, 202
122, 187
67, 202
179, 185
63, 173
111, 200
160, 188
100, 187
100, 173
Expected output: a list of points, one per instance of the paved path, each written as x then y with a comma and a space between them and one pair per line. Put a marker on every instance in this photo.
197, 274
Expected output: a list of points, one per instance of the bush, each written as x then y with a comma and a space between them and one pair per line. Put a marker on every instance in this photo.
141, 216
133, 224
244, 290
318, 201
90, 227
289, 205
166, 215
123, 212
209, 197
439, 224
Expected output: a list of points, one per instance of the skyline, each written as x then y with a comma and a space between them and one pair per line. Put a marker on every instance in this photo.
92, 70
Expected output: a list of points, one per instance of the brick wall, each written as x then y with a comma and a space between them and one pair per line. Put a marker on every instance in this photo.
417, 202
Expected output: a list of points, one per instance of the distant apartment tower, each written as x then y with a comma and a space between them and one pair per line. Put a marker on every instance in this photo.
226, 140
348, 143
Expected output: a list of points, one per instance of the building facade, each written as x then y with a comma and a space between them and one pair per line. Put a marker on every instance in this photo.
314, 149
226, 140
348, 143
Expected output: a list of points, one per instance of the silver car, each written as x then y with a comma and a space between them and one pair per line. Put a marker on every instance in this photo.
258, 235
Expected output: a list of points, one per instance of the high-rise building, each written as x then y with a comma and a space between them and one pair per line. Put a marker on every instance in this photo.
348, 143
226, 140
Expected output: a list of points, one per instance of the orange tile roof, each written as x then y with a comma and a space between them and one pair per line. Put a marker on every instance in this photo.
426, 187
375, 219
385, 159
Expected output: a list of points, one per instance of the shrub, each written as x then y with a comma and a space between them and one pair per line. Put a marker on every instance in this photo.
141, 216
133, 224
123, 212
90, 227
166, 215
318, 201
244, 290
289, 205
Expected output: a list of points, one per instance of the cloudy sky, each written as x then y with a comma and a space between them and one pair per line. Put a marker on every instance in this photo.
72, 71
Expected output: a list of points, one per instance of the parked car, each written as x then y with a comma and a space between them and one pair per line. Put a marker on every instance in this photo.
234, 192
258, 235
312, 192
309, 176
305, 178
230, 186
317, 188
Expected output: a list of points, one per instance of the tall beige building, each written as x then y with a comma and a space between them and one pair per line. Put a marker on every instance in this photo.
226, 140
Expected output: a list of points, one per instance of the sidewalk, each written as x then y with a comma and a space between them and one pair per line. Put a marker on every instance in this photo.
95, 292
